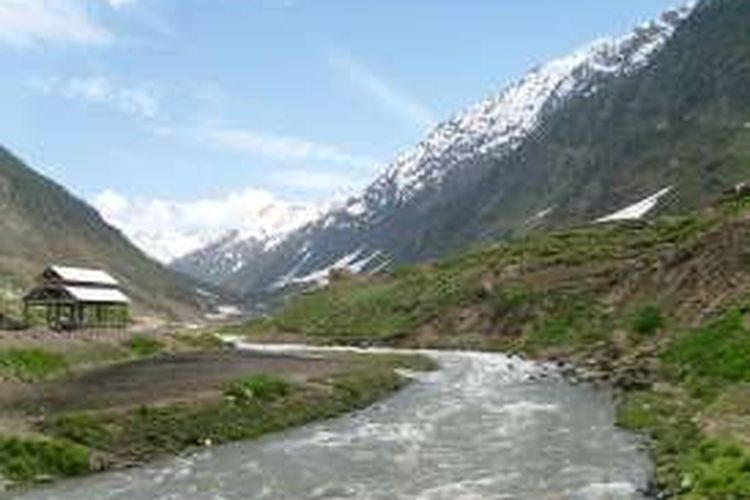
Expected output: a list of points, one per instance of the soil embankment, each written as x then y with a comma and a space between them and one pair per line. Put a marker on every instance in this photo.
168, 379
70, 407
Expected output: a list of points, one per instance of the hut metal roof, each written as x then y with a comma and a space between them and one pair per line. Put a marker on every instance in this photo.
82, 275
97, 295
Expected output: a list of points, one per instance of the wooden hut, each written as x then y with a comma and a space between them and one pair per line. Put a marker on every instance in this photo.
70, 298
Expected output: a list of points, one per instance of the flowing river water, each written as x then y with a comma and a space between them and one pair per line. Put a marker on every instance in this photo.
485, 426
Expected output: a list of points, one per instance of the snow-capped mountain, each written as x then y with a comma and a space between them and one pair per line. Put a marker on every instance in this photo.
168, 230
553, 148
502, 122
265, 230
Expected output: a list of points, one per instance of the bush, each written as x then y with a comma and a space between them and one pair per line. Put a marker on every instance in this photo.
32, 365
203, 340
714, 355
143, 346
257, 388
719, 470
29, 460
552, 332
648, 321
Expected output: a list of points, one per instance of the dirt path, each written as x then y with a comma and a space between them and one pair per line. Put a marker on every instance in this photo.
165, 379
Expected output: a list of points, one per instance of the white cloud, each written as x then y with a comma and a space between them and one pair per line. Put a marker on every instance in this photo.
282, 148
382, 91
116, 4
28, 23
168, 229
138, 100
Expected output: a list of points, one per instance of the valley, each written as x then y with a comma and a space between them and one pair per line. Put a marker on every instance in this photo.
546, 297
655, 309
574, 140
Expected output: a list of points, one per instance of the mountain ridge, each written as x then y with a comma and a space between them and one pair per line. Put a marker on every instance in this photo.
494, 176
43, 223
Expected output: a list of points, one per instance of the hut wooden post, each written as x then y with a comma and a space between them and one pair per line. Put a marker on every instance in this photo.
77, 298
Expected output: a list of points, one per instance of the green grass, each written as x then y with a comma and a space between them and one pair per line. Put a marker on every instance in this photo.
148, 433
713, 357
689, 465
389, 307
648, 320
668, 420
707, 369
144, 346
380, 310
32, 460
200, 340
552, 332
32, 365
717, 470
263, 388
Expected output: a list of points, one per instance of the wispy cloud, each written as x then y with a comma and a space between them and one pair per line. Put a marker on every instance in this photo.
26, 23
385, 93
138, 100
282, 148
116, 4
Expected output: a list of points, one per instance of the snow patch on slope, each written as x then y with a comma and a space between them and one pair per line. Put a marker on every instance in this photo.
355, 262
637, 210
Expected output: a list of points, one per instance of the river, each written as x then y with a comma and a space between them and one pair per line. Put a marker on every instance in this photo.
485, 426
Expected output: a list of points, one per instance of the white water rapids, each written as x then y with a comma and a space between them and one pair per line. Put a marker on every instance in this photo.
485, 426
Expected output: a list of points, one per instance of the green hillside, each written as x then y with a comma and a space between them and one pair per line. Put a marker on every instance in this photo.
659, 309
42, 223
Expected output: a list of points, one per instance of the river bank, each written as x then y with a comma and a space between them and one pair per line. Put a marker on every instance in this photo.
658, 310
71, 406
484, 426
685, 394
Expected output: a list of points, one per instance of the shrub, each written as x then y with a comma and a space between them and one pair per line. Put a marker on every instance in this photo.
143, 346
714, 355
203, 340
32, 365
552, 332
257, 388
648, 321
28, 460
719, 470
83, 428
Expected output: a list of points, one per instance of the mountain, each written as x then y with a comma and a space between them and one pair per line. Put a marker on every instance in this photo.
41, 223
657, 119
167, 230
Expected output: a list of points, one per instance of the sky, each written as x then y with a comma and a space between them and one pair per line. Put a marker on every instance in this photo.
192, 114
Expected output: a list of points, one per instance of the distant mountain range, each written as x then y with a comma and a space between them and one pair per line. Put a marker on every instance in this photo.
658, 119
41, 223
167, 230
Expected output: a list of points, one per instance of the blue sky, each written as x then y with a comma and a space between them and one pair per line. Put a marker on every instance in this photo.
183, 100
